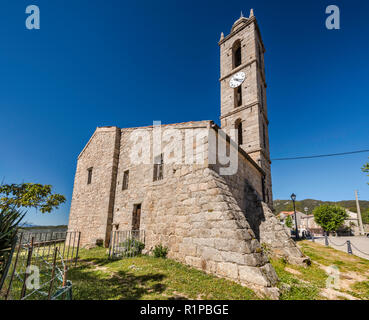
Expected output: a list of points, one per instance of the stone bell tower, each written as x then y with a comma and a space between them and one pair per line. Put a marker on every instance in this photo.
243, 93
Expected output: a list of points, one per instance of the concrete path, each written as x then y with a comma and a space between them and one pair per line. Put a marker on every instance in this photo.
359, 245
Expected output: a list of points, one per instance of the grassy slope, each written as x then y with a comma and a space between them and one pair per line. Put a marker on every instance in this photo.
150, 278
147, 277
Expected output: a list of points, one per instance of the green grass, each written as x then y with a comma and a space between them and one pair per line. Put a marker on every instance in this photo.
302, 283
305, 284
360, 290
147, 277
328, 256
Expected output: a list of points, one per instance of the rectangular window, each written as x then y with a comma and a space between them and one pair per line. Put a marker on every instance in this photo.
264, 136
158, 167
263, 187
125, 180
260, 59
262, 96
238, 96
89, 179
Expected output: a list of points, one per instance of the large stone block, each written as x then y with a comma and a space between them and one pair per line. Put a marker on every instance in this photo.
253, 275
229, 270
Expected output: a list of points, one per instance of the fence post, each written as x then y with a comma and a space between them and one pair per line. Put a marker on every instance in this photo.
349, 249
8, 262
79, 238
29, 258
52, 274
112, 252
110, 243
14, 267
326, 239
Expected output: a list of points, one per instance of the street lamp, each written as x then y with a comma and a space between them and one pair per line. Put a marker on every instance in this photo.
293, 197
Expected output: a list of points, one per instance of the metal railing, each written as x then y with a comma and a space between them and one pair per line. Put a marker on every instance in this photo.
127, 243
51, 254
347, 243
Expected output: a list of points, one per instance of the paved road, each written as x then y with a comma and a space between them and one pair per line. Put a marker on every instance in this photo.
358, 244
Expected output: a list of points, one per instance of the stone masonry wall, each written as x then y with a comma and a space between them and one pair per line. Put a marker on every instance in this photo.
211, 222
245, 188
193, 212
92, 204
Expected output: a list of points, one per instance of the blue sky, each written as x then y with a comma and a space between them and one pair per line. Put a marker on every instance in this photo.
97, 63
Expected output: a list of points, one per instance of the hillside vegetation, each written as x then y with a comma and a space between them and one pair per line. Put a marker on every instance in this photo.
287, 205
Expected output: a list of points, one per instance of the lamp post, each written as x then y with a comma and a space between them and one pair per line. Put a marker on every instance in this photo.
293, 197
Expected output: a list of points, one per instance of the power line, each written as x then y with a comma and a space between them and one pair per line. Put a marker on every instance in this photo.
321, 155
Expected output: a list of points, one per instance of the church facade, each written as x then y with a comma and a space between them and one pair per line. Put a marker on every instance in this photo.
203, 191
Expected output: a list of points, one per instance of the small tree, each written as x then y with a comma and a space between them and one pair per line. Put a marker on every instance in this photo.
365, 216
330, 217
13, 197
30, 195
289, 222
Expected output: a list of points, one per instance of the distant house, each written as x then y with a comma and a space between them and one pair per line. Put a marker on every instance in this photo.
352, 222
282, 216
308, 222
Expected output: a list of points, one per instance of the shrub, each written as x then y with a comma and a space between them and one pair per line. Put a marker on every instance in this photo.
160, 251
100, 242
131, 247
9, 220
289, 222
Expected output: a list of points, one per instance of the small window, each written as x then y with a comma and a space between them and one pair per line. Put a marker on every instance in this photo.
238, 127
263, 188
262, 96
237, 56
264, 136
238, 96
89, 179
125, 180
260, 61
158, 167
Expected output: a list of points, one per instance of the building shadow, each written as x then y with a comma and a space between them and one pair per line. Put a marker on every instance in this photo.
93, 282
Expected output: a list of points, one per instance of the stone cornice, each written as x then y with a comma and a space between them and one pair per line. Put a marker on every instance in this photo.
240, 150
261, 150
246, 22
98, 129
238, 109
244, 65
235, 70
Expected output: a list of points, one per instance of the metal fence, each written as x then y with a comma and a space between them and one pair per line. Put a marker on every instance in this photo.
126, 243
349, 246
49, 255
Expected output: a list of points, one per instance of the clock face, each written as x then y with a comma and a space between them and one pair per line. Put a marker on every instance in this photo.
237, 80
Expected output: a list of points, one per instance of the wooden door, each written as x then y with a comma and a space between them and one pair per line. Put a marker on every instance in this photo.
136, 217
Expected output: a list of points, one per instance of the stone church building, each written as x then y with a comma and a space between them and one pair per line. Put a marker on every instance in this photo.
180, 192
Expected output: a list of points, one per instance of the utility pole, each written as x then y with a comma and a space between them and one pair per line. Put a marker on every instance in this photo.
359, 214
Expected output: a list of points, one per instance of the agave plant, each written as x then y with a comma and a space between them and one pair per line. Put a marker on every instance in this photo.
10, 218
